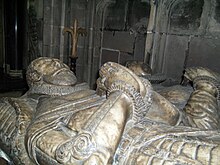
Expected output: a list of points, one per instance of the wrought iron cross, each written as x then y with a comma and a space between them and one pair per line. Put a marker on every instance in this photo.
74, 31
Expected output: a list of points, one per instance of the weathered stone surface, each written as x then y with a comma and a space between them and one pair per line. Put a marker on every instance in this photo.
122, 41
204, 52
109, 56
174, 55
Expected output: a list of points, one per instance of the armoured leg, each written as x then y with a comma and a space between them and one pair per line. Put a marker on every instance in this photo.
202, 109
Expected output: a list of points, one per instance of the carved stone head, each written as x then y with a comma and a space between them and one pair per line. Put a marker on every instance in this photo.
45, 70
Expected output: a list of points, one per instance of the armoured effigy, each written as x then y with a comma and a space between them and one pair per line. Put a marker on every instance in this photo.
125, 121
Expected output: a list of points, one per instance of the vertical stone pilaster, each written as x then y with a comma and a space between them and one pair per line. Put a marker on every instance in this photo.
54, 20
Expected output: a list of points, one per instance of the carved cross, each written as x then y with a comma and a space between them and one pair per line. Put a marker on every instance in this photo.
74, 32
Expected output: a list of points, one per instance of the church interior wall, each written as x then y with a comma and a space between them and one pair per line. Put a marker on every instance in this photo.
167, 35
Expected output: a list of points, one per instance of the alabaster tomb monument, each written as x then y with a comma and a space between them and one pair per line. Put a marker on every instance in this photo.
125, 121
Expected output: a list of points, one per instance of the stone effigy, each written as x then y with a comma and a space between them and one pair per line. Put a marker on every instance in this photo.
124, 121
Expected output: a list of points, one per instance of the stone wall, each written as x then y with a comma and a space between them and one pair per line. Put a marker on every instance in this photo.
168, 34
124, 31
52, 16
186, 33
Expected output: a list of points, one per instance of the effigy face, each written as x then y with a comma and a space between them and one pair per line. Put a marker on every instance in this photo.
50, 71
60, 122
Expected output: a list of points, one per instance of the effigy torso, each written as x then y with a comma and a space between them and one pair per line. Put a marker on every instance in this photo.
46, 134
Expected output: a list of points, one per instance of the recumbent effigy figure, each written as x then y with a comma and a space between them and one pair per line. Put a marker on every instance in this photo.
61, 122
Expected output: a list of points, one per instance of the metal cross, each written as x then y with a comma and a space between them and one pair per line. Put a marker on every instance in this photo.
74, 32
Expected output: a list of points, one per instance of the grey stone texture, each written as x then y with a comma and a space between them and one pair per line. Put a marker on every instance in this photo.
122, 41
175, 54
179, 33
205, 52
186, 34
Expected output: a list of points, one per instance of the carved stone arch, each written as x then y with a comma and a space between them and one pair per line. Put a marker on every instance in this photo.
101, 8
103, 4
95, 41
165, 9
186, 15
160, 29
